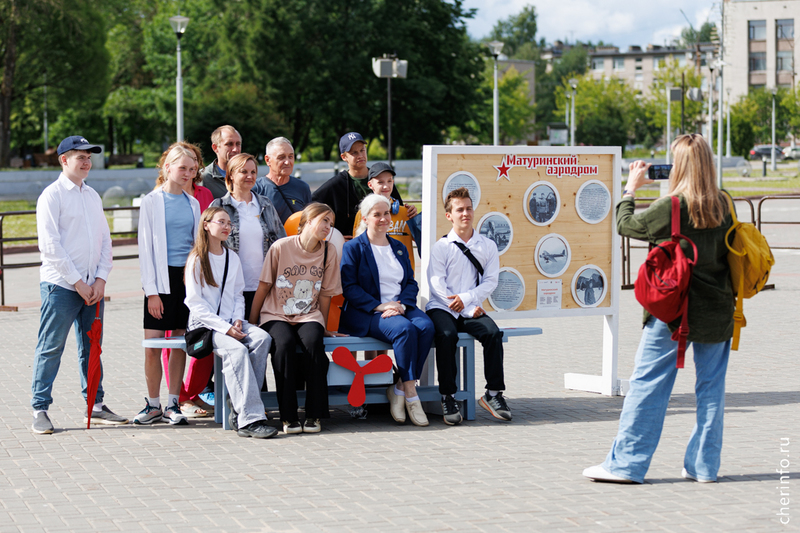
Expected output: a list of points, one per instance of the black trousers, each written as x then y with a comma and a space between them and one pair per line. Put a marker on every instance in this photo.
482, 328
287, 363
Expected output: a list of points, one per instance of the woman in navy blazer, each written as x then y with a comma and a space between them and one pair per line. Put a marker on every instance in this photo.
381, 302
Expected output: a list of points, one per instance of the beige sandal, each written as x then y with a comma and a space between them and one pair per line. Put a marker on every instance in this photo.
190, 410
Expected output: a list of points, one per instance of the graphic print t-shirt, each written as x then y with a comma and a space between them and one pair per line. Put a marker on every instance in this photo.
297, 280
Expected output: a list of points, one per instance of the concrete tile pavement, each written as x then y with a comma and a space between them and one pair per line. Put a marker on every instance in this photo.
374, 475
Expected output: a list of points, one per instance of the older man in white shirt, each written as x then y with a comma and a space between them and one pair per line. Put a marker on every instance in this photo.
75, 245
462, 273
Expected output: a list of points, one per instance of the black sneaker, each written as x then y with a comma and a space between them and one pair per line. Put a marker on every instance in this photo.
42, 424
292, 428
258, 430
359, 413
233, 416
312, 425
496, 405
452, 415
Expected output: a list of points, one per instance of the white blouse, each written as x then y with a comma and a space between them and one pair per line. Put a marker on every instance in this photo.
390, 272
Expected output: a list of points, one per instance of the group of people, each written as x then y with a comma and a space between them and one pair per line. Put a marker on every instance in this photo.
217, 255
220, 258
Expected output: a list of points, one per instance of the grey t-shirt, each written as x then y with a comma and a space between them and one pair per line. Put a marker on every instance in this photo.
288, 198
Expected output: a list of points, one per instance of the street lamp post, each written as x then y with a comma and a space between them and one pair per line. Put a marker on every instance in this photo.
574, 84
728, 136
389, 67
179, 24
710, 63
495, 47
772, 166
566, 112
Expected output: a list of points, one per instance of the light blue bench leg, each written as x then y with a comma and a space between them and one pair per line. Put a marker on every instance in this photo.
468, 368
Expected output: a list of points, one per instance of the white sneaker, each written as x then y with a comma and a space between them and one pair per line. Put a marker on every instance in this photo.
687, 475
598, 473
174, 416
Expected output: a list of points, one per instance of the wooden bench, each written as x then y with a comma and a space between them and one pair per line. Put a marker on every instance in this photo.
339, 379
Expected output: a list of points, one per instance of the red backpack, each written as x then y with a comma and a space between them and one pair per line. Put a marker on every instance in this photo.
662, 286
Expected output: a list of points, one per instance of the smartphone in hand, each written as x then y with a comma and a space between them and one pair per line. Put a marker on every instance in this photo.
659, 172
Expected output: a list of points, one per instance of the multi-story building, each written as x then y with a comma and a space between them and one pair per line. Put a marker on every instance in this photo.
760, 47
639, 68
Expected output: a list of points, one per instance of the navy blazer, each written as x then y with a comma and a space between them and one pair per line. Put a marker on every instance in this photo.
361, 284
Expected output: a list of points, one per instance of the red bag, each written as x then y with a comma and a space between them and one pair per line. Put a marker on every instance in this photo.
662, 286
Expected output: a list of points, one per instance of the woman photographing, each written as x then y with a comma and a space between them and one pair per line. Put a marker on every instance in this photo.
705, 220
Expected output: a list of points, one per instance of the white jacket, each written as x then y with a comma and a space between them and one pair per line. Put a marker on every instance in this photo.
203, 300
153, 241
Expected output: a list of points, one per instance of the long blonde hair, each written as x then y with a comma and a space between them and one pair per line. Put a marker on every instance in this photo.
368, 204
200, 248
198, 156
694, 177
312, 211
235, 163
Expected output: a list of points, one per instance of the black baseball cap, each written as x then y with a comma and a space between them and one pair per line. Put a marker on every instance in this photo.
77, 142
348, 140
379, 168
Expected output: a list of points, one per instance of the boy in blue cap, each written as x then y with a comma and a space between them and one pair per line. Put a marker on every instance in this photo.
75, 246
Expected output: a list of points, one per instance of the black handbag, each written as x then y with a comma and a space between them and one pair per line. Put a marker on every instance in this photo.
199, 341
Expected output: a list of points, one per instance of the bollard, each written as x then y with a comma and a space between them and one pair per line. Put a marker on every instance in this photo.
764, 169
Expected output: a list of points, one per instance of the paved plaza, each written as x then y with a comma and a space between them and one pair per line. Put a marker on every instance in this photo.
373, 475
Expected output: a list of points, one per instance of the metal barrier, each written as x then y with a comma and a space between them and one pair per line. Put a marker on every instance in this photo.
626, 241
761, 222
12, 266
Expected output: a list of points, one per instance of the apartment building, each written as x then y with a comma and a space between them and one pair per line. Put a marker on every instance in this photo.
640, 67
760, 45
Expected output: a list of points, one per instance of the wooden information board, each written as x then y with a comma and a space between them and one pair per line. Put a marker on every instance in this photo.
550, 210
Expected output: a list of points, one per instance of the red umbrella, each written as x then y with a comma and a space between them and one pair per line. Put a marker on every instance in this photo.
345, 359
95, 370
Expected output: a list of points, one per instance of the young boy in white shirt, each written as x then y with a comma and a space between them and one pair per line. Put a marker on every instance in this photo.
462, 273
75, 246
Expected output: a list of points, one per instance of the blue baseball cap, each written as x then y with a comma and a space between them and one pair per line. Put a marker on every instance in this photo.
77, 142
348, 140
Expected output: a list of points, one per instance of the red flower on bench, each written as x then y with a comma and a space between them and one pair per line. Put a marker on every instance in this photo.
345, 359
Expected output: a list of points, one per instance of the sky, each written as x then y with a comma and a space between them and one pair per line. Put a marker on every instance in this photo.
618, 22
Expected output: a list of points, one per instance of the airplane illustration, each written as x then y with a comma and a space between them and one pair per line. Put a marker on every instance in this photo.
548, 257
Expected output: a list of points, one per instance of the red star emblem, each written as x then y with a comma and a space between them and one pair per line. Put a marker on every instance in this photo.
502, 171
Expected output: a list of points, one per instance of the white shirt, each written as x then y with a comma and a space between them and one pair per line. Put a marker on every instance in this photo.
390, 272
203, 301
74, 239
251, 241
451, 273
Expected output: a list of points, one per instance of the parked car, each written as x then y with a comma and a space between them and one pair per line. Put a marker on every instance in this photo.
791, 152
762, 150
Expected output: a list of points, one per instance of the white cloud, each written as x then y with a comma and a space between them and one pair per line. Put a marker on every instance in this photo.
620, 22
283, 283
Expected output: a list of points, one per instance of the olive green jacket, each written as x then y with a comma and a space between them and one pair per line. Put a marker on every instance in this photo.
711, 300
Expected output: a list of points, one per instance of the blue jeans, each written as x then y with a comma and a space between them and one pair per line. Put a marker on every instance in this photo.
646, 403
411, 336
60, 309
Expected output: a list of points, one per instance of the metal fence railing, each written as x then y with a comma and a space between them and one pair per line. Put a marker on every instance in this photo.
12, 266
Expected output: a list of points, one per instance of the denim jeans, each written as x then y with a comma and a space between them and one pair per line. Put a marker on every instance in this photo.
411, 336
646, 403
60, 309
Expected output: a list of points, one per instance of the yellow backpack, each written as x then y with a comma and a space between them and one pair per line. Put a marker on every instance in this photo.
751, 260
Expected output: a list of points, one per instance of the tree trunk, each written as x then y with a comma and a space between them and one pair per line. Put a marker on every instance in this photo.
7, 89
110, 145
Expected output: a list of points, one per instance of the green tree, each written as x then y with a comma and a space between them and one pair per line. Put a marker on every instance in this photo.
43, 43
516, 32
690, 36
573, 64
655, 102
605, 111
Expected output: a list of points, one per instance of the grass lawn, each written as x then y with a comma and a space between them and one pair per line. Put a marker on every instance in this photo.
25, 225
